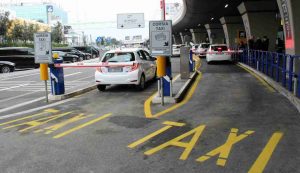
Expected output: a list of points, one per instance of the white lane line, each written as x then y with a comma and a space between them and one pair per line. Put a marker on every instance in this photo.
35, 109
9, 78
73, 74
21, 104
13, 87
12, 98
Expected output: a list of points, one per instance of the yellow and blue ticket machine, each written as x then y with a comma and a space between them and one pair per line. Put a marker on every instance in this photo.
57, 77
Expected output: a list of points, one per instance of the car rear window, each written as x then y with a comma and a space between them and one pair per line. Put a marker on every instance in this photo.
219, 48
196, 46
204, 45
119, 57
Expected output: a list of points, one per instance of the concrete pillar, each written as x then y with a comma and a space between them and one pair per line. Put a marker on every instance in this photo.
233, 26
186, 37
215, 33
259, 18
290, 14
177, 39
198, 35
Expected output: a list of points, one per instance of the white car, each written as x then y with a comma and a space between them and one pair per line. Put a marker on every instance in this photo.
127, 66
176, 50
218, 52
202, 49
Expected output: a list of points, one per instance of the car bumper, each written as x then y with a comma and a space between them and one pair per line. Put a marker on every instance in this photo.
218, 58
117, 78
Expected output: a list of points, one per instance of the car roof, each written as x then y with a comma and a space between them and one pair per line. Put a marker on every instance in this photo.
125, 50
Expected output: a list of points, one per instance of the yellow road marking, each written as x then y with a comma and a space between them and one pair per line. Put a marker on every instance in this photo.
169, 124
224, 150
188, 146
183, 102
81, 126
269, 87
31, 116
264, 157
147, 104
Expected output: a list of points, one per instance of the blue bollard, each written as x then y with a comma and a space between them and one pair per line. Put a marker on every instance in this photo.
57, 79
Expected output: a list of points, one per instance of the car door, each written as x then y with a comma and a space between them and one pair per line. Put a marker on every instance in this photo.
145, 65
152, 63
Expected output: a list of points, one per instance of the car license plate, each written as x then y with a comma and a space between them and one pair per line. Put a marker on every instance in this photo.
115, 69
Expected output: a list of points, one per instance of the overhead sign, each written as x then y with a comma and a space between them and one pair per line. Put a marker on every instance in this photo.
43, 48
99, 39
49, 8
160, 38
131, 20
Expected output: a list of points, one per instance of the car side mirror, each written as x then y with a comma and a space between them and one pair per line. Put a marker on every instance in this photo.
154, 58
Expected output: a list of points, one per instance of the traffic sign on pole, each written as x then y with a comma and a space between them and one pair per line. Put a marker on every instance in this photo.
160, 38
43, 48
130, 20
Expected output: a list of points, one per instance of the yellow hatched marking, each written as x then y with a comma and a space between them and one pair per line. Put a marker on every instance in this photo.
31, 116
264, 157
81, 126
171, 123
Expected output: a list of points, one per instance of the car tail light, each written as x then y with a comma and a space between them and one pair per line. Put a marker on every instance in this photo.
135, 66
99, 69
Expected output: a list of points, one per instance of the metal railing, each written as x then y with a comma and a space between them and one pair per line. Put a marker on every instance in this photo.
278, 66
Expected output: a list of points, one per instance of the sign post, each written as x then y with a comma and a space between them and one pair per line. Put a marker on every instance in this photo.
43, 55
161, 46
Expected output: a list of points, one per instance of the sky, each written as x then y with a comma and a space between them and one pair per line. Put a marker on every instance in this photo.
99, 11
86, 11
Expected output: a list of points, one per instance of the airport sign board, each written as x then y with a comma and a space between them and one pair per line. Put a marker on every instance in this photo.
160, 38
130, 20
43, 48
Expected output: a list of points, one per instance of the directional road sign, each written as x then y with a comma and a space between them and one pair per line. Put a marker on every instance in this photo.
131, 20
160, 38
43, 48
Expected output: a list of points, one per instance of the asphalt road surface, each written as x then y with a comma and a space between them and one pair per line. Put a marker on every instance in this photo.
230, 122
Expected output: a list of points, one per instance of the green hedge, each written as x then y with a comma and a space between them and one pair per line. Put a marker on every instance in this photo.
29, 45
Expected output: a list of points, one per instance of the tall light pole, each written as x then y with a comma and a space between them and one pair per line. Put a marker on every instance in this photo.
163, 9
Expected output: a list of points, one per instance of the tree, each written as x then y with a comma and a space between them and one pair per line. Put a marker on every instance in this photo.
18, 31
57, 33
4, 24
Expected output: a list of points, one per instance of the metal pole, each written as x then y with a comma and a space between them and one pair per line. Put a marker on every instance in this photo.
46, 87
171, 88
158, 86
295, 85
162, 92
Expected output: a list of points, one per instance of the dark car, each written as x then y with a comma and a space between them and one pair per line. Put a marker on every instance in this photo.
90, 50
6, 67
23, 57
71, 51
67, 57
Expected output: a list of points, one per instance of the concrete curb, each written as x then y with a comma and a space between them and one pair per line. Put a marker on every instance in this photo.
72, 94
182, 92
290, 96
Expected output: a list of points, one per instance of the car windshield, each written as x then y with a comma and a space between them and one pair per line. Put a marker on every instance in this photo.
204, 45
119, 57
219, 48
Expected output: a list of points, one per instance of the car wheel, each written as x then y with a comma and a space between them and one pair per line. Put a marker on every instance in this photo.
94, 56
80, 59
5, 69
142, 83
101, 87
74, 60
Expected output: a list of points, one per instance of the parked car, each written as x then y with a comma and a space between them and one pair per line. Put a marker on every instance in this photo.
67, 57
202, 49
23, 57
89, 50
6, 67
71, 51
176, 50
194, 47
218, 52
126, 66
